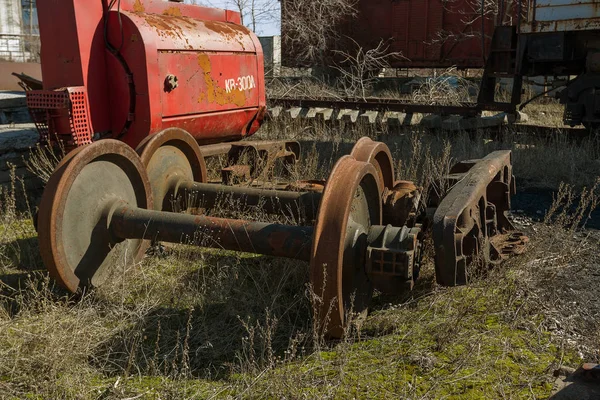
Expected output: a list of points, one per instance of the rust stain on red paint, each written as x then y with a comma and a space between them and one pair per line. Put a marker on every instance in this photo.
172, 11
138, 7
214, 92
230, 31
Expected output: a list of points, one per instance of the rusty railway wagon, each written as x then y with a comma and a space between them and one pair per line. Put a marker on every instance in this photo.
143, 91
552, 38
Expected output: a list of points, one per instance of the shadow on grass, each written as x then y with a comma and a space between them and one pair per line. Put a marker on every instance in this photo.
23, 254
223, 317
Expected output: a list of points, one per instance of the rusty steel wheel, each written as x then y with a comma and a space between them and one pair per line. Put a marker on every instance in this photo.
171, 156
378, 154
75, 202
351, 203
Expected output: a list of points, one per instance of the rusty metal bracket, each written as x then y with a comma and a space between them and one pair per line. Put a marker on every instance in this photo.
471, 216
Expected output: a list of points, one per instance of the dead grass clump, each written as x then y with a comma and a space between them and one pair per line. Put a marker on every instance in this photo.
559, 271
308, 88
43, 159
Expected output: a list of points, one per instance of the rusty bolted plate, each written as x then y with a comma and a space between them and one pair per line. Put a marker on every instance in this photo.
73, 211
171, 156
351, 203
378, 154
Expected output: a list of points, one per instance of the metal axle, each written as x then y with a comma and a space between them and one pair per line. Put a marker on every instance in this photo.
305, 204
277, 240
126, 222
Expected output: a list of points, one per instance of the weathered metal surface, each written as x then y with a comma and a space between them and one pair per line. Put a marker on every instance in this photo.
401, 204
76, 252
176, 170
562, 16
314, 185
351, 203
123, 58
61, 115
394, 258
229, 234
378, 154
206, 195
235, 174
471, 214
171, 156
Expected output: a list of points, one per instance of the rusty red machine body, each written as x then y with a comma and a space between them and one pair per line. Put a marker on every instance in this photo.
126, 69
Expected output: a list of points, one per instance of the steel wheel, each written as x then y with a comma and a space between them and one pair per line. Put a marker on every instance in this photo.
75, 202
351, 203
171, 156
379, 155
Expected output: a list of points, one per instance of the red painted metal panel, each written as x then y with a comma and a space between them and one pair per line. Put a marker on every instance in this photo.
215, 127
218, 64
208, 82
203, 55
72, 52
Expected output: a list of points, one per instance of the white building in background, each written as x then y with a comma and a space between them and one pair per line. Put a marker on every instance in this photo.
19, 34
272, 51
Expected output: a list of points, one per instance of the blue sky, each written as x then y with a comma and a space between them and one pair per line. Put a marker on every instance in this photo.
268, 25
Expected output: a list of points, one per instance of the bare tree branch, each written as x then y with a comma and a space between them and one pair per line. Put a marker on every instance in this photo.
311, 28
359, 69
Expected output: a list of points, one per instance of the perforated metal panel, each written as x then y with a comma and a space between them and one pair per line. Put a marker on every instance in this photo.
80, 121
50, 108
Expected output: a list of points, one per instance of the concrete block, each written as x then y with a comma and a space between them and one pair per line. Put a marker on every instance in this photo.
453, 123
369, 117
296, 112
431, 121
323, 114
10, 99
394, 119
275, 111
522, 117
348, 116
411, 119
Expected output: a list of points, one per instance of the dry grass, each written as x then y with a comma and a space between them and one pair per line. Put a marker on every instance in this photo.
449, 88
190, 323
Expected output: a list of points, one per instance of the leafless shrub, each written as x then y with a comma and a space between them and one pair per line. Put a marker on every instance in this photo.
570, 210
311, 28
360, 68
43, 159
446, 89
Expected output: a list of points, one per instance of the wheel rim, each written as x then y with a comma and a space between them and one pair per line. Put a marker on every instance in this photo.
351, 203
74, 242
378, 154
169, 157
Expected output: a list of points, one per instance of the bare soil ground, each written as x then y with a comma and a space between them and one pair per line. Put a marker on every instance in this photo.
190, 323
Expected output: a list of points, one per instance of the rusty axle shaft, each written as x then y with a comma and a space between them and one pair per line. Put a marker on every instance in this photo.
126, 222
